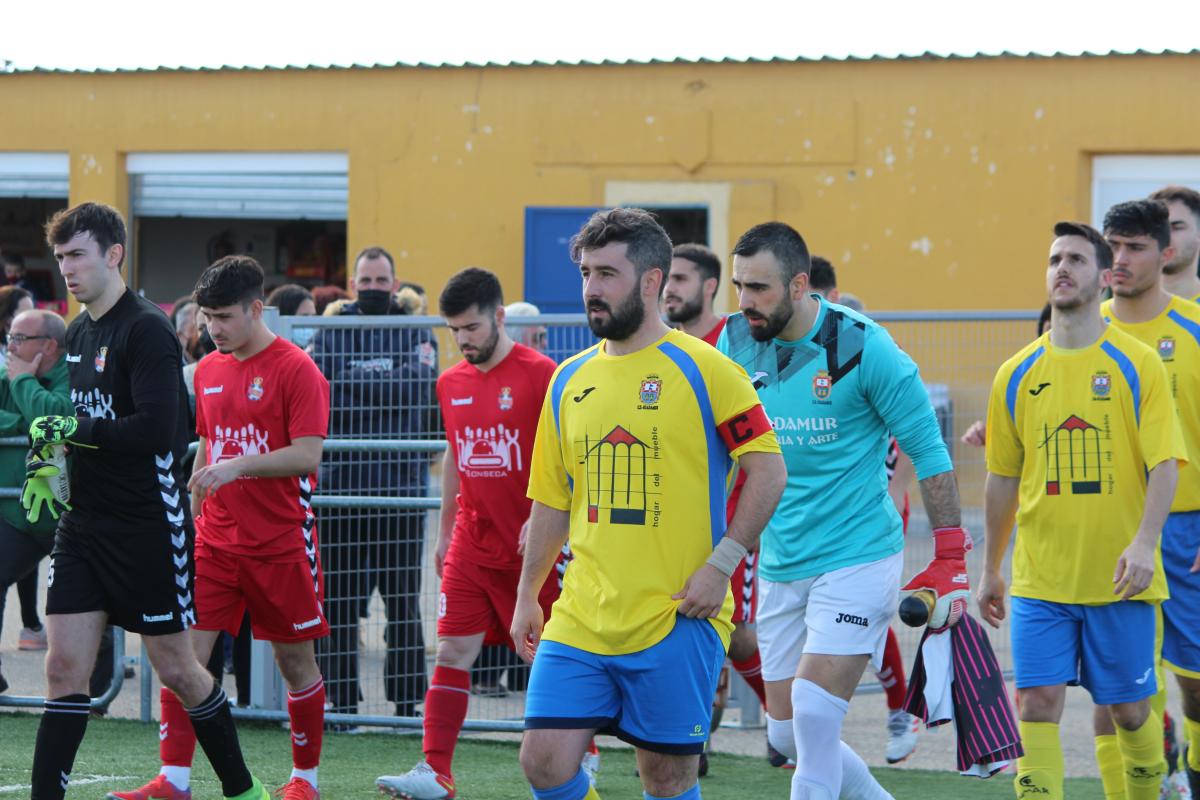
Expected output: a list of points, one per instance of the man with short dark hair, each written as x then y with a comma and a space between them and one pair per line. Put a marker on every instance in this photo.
33, 383
122, 552
490, 402
382, 384
14, 271
1083, 446
1142, 235
262, 412
823, 279
834, 384
1181, 273
632, 456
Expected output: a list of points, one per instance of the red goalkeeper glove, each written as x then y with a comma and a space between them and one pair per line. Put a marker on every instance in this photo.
946, 577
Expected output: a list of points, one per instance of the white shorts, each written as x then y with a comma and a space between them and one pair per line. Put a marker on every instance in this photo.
841, 613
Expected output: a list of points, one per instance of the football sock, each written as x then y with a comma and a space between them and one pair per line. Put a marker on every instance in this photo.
691, 794
1112, 767
1142, 751
64, 721
892, 674
782, 736
306, 712
176, 740
575, 789
218, 737
445, 709
751, 672
857, 781
817, 725
1040, 770
1192, 728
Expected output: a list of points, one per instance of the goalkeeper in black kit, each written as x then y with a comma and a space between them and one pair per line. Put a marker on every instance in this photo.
122, 553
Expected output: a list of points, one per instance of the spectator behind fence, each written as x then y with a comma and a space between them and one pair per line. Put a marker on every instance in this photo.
32, 384
533, 336
324, 295
14, 273
292, 301
381, 381
183, 319
13, 300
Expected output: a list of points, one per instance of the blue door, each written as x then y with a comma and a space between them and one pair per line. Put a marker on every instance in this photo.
552, 281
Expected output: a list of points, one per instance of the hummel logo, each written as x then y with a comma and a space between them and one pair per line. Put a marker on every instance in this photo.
461, 401
579, 398
1145, 676
758, 381
1038, 390
73, 359
311, 623
214, 389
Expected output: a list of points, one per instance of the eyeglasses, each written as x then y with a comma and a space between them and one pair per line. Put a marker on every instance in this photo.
19, 338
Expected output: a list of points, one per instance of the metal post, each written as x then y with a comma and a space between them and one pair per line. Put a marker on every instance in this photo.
266, 684
146, 680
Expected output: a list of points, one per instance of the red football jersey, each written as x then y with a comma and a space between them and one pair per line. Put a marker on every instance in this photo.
491, 420
712, 336
254, 407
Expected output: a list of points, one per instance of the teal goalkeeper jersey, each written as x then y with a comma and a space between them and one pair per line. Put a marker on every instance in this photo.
832, 397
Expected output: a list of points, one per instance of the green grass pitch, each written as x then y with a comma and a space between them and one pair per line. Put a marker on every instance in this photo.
122, 754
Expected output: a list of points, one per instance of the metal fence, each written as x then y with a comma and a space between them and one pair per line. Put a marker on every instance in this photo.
377, 499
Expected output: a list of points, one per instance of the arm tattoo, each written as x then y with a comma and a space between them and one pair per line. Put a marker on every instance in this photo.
940, 496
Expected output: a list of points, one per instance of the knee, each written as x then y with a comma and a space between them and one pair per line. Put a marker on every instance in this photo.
66, 672
668, 776
184, 679
1131, 716
455, 653
1039, 704
742, 643
1102, 721
540, 767
1190, 688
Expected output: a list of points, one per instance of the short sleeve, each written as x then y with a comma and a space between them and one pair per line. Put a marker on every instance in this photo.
1004, 448
1159, 431
308, 400
739, 415
549, 482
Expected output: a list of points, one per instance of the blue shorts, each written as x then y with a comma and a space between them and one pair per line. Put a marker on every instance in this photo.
1109, 649
1181, 614
658, 699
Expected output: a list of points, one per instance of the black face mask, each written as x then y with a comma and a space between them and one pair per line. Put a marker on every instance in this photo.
374, 301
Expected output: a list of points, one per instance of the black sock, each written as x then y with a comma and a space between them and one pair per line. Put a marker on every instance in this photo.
63, 723
218, 737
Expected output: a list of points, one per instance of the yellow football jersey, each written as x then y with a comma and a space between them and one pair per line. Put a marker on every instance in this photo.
1080, 428
637, 448
1175, 336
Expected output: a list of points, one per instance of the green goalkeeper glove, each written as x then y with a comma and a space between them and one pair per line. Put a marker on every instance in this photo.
47, 431
38, 492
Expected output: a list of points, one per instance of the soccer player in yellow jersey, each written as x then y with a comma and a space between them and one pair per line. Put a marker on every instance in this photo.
632, 456
1140, 235
1083, 449
1181, 273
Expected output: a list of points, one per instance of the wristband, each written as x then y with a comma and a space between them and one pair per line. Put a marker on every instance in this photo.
727, 555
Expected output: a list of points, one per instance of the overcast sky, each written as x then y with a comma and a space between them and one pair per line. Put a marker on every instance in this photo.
133, 33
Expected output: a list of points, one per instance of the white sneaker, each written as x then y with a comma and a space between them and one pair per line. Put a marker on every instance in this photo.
419, 783
591, 766
903, 729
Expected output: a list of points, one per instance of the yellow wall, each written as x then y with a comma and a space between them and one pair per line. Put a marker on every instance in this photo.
930, 183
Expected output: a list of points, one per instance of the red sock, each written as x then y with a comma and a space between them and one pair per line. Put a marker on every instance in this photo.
892, 674
176, 739
306, 710
751, 672
445, 710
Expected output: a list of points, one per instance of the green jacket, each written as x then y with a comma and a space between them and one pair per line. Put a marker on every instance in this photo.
22, 400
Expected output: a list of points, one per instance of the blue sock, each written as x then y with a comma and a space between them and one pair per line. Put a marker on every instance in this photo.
691, 794
574, 789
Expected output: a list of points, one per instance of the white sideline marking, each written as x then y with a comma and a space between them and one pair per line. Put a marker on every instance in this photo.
80, 781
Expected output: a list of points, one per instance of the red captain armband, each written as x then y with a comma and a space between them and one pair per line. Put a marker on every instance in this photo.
743, 428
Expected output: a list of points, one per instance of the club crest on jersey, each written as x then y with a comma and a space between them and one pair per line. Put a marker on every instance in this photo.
649, 392
1101, 385
1166, 348
255, 392
506, 398
822, 385
101, 359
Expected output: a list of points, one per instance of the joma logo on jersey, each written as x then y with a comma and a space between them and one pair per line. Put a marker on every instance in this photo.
1101, 385
649, 392
1166, 348
822, 385
852, 619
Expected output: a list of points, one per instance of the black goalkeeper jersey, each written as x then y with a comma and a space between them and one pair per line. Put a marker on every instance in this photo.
127, 386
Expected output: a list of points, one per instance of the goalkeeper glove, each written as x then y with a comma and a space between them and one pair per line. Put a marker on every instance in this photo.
38, 492
946, 577
47, 431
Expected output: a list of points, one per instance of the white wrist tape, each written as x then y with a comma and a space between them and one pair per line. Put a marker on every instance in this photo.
727, 555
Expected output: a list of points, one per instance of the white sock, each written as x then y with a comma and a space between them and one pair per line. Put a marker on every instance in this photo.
817, 722
857, 781
180, 777
309, 775
783, 738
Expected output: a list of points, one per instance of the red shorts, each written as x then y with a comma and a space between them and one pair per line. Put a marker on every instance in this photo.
745, 589
283, 597
475, 599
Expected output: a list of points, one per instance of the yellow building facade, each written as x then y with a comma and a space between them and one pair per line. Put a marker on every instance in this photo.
930, 183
